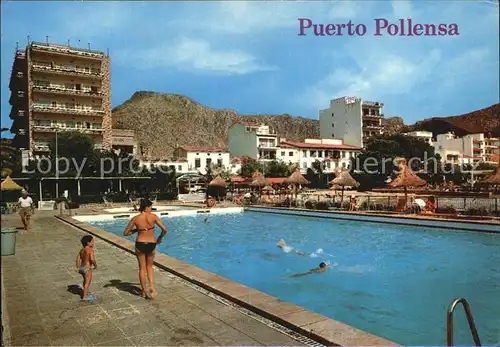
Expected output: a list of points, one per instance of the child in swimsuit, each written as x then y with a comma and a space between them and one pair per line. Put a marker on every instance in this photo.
84, 263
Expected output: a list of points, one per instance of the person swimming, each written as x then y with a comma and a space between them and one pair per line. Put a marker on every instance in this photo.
206, 221
283, 246
321, 268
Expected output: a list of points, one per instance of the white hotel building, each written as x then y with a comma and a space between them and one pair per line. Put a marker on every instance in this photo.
260, 143
352, 120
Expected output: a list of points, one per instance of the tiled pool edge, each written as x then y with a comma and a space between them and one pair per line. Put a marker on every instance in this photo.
420, 221
298, 319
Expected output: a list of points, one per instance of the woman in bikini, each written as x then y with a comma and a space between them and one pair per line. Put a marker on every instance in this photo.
145, 244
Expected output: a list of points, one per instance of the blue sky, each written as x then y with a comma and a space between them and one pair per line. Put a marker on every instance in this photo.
247, 56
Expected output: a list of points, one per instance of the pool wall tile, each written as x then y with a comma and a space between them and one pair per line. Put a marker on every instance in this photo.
315, 326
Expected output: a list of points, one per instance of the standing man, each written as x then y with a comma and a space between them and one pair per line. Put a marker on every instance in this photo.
26, 209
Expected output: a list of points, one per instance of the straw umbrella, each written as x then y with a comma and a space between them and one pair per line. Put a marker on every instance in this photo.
218, 182
9, 184
296, 178
344, 179
406, 178
493, 179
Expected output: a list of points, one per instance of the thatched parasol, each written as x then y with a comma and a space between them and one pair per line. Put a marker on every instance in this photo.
296, 178
344, 179
218, 182
406, 178
493, 179
9, 184
268, 189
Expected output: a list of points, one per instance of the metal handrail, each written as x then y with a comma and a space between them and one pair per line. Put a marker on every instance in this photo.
468, 313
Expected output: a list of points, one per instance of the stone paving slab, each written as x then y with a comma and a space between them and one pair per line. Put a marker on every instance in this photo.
43, 308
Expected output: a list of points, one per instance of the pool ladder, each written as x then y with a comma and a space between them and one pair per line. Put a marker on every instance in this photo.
449, 321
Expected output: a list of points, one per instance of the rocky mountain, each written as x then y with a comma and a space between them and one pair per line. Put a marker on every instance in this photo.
486, 120
163, 121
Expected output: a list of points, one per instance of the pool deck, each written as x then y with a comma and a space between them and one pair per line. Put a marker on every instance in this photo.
39, 285
42, 308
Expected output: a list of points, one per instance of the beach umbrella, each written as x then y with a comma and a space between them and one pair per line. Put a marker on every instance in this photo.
406, 178
296, 178
259, 180
344, 179
268, 189
9, 184
218, 182
493, 179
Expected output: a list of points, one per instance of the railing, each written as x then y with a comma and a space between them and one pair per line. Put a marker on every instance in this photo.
57, 109
66, 69
59, 129
372, 116
449, 321
61, 89
67, 49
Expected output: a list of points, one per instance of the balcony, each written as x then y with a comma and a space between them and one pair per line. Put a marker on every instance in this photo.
267, 145
372, 127
41, 147
52, 129
67, 50
372, 116
88, 111
38, 66
58, 89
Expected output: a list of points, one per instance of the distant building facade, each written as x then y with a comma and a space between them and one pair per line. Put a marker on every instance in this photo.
198, 158
252, 141
352, 120
56, 88
424, 135
468, 149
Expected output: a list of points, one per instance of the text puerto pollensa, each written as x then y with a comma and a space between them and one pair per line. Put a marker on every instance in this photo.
381, 27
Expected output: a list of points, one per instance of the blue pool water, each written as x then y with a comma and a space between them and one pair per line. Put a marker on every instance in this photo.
392, 281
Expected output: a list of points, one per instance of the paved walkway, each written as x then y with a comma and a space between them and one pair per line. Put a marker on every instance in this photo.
43, 308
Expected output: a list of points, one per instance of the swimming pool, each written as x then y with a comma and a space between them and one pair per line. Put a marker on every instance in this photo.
393, 281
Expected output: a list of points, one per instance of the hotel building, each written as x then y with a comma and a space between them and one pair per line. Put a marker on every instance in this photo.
56, 88
257, 142
468, 149
352, 120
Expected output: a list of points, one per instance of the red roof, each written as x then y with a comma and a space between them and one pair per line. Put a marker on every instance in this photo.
239, 179
318, 145
203, 149
469, 156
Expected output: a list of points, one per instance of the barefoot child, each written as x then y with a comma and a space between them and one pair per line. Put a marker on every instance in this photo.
84, 261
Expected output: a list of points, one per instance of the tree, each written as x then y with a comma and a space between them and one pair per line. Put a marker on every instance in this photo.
276, 169
249, 167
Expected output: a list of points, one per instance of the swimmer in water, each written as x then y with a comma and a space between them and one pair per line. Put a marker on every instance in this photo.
282, 245
321, 268
206, 221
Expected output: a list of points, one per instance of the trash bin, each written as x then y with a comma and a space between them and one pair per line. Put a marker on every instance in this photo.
8, 241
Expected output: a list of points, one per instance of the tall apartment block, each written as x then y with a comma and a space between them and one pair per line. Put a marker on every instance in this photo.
57, 88
352, 120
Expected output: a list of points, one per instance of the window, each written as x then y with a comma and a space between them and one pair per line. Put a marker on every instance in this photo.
304, 165
282, 153
304, 152
20, 113
313, 154
328, 164
96, 126
333, 125
290, 154
54, 104
320, 154
93, 90
70, 124
219, 161
333, 115
20, 74
333, 135
179, 168
209, 161
197, 164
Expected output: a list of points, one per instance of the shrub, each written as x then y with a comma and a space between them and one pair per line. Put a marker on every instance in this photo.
446, 210
322, 205
310, 204
480, 211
